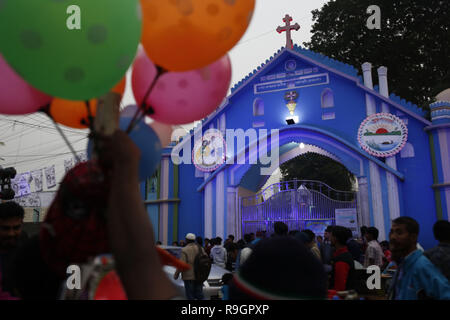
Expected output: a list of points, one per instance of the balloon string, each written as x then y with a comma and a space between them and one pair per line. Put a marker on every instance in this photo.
144, 109
77, 159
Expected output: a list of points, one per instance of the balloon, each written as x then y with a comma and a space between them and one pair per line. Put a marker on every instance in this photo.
72, 114
145, 139
75, 50
181, 35
75, 114
17, 96
120, 87
181, 97
163, 131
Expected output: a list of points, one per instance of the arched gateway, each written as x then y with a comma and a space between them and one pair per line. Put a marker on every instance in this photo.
401, 160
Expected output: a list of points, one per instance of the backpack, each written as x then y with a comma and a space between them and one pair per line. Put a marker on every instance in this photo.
202, 266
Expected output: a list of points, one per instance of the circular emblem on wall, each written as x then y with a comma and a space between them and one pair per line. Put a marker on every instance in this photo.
382, 135
290, 65
209, 151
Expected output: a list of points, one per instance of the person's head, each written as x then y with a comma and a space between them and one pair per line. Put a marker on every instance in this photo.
312, 235
230, 237
280, 228
11, 222
241, 244
218, 241
403, 237
371, 234
207, 242
384, 245
158, 243
259, 234
441, 231
259, 277
190, 238
175, 243
183, 243
319, 239
339, 236
247, 238
327, 233
304, 238
199, 240
363, 231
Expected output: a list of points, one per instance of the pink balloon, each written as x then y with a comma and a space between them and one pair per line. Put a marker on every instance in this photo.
181, 97
16, 95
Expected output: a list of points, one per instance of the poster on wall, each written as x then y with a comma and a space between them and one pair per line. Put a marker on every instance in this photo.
37, 178
318, 227
29, 201
50, 175
21, 184
68, 165
347, 218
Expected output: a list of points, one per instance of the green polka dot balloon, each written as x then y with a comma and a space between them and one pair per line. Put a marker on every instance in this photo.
72, 49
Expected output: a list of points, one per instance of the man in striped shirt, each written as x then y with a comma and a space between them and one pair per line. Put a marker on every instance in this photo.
374, 253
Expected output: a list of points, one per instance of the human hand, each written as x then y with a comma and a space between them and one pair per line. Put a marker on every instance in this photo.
118, 152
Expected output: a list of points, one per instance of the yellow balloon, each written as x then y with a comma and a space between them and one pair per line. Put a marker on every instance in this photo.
181, 35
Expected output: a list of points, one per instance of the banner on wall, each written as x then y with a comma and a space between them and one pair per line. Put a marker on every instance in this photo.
50, 176
347, 218
319, 226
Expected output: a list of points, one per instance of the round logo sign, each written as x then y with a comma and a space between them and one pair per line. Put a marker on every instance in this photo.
382, 135
209, 151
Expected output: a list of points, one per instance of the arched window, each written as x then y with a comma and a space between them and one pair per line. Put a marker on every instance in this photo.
258, 107
327, 98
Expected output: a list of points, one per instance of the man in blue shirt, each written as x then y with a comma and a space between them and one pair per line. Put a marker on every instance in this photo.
416, 277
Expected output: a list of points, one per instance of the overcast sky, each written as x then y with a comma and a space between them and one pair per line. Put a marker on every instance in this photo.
29, 147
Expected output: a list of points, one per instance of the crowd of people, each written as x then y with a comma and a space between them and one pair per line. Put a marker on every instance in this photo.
287, 264
343, 258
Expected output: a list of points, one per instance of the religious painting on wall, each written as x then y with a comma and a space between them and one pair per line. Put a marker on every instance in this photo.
382, 135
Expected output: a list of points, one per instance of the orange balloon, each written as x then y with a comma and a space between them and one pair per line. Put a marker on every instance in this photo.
181, 35
72, 114
120, 87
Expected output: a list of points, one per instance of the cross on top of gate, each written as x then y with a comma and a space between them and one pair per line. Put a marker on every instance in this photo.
288, 28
